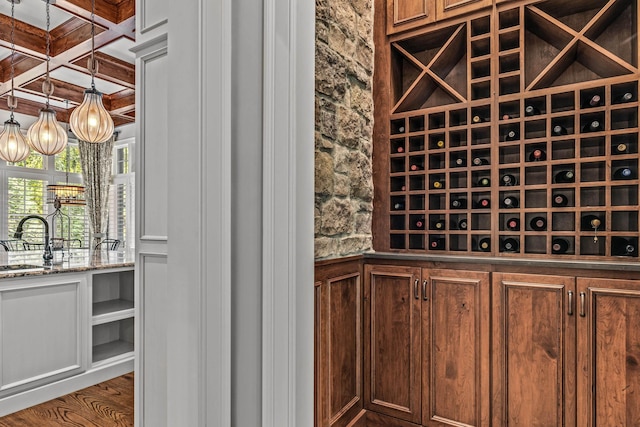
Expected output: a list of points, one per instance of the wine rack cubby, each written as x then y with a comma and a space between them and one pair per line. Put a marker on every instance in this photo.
508, 130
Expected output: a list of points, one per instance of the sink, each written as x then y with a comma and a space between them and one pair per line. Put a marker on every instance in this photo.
19, 268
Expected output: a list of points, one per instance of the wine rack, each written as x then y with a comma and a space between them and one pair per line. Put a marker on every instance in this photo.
544, 94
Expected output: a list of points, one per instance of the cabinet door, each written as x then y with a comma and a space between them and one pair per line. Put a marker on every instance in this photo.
449, 8
533, 350
455, 348
406, 14
392, 341
609, 353
42, 332
338, 349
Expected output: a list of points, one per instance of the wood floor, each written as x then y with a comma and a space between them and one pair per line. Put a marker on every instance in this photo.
108, 404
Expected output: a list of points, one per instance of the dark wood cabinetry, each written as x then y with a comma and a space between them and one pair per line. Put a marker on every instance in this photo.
393, 366
427, 345
534, 358
608, 352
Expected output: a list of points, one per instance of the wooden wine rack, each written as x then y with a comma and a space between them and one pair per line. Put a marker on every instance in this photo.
552, 55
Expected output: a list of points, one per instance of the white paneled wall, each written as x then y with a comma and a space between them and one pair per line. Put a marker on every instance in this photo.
224, 213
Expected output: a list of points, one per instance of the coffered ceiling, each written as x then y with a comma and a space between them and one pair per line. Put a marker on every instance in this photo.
70, 23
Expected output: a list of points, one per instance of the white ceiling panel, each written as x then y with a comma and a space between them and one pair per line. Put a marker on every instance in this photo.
80, 79
120, 49
34, 12
4, 52
40, 99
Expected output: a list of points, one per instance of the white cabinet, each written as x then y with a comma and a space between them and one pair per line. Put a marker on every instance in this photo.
43, 330
63, 332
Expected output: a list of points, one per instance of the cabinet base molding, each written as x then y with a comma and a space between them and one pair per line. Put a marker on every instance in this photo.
379, 420
26, 399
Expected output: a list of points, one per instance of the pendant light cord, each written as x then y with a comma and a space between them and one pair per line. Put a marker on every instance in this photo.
11, 100
94, 67
47, 88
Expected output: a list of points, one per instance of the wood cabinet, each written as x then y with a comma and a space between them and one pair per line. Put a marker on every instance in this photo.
427, 345
534, 359
455, 348
392, 365
407, 14
608, 352
448, 8
338, 343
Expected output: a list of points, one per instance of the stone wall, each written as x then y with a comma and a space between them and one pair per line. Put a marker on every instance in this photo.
344, 127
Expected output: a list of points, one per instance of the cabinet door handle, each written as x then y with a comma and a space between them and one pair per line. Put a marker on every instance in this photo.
416, 293
424, 291
570, 310
582, 302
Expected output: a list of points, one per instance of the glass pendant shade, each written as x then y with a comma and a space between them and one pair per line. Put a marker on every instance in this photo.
13, 145
46, 136
90, 121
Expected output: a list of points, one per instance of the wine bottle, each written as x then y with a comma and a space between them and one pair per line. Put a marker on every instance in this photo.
510, 202
401, 129
436, 243
592, 101
559, 200
400, 149
559, 246
415, 167
625, 97
462, 224
621, 246
484, 182
559, 130
509, 180
420, 223
460, 162
591, 223
593, 126
512, 135
483, 203
479, 161
439, 224
537, 155
623, 173
531, 110
438, 185
459, 203
538, 223
513, 224
510, 245
564, 176
403, 188
439, 144
506, 116
399, 206
484, 244
478, 119
620, 148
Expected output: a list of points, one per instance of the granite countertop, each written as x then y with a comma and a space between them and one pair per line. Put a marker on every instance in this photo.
74, 261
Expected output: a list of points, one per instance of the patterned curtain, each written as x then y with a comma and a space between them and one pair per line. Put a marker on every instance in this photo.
96, 173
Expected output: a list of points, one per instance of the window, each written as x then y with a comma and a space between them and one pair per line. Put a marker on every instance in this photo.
23, 192
25, 196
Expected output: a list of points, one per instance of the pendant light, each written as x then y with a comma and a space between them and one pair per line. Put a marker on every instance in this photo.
90, 121
66, 194
46, 136
13, 145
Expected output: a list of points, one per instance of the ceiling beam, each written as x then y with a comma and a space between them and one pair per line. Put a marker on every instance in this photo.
105, 12
62, 90
32, 40
70, 55
32, 108
110, 69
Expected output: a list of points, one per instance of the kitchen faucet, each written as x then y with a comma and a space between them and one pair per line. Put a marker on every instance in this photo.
47, 256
